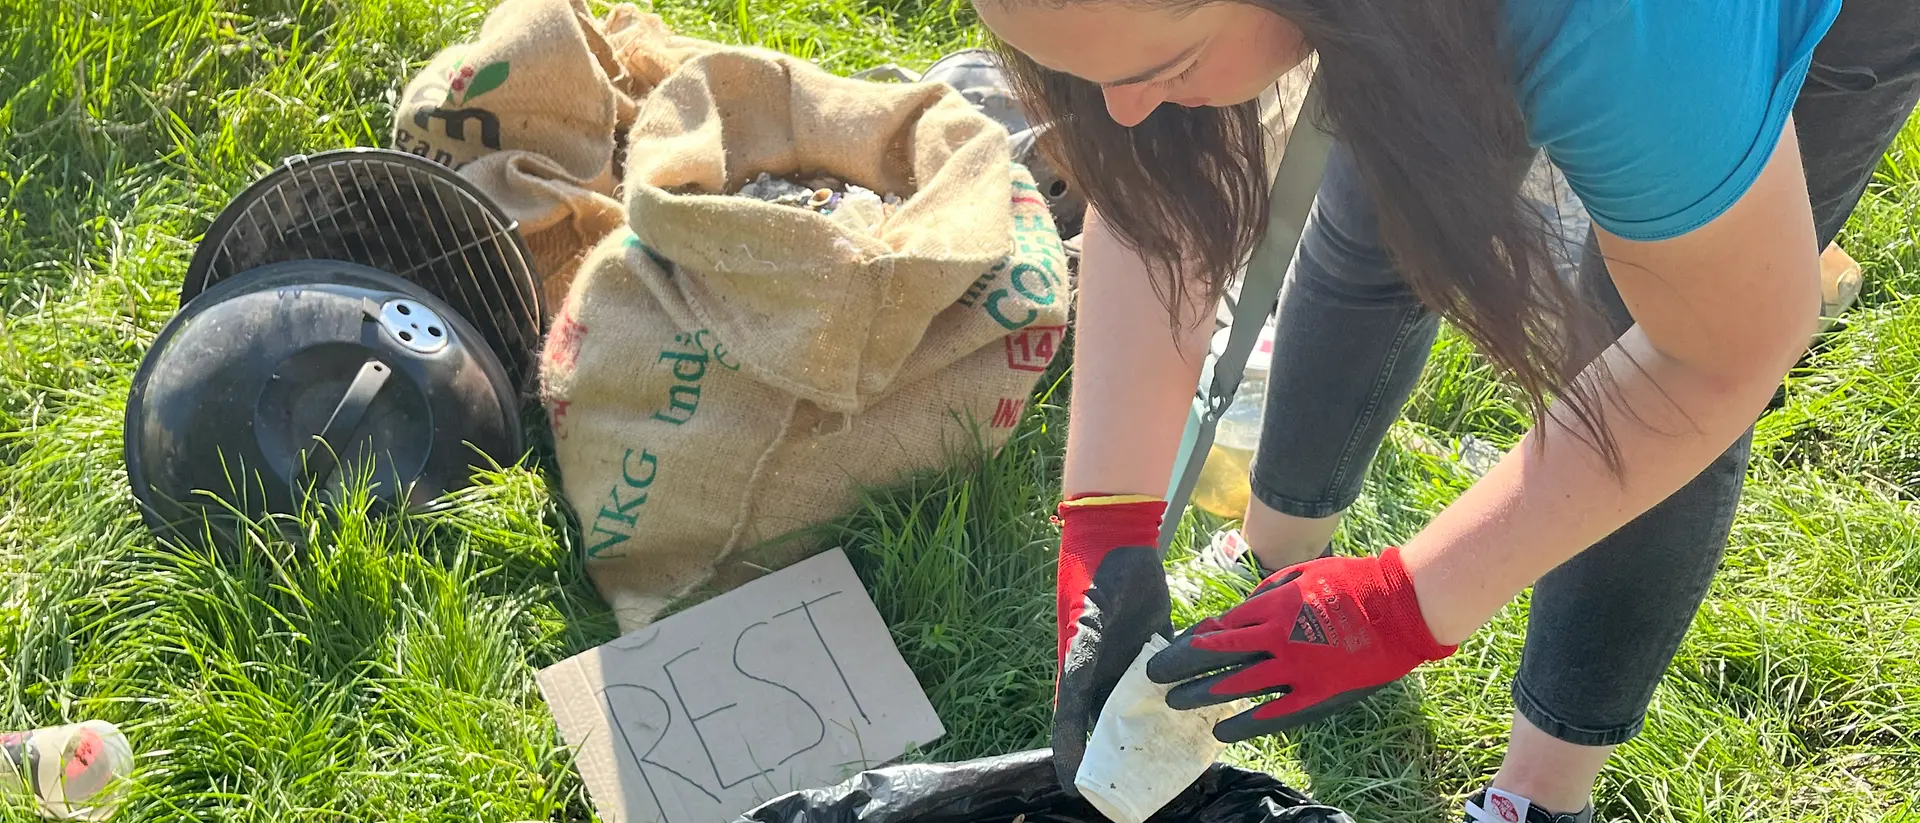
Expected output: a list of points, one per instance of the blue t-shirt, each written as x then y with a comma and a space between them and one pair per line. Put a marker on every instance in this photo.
1661, 113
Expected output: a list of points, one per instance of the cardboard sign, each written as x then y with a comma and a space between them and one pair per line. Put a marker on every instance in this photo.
789, 682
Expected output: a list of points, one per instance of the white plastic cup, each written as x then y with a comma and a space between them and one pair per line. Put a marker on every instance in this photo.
71, 772
1143, 754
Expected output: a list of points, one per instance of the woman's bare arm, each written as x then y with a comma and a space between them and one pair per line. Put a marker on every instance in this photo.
1133, 378
1722, 314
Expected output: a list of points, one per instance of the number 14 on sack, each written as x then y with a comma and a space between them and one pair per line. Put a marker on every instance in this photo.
1032, 349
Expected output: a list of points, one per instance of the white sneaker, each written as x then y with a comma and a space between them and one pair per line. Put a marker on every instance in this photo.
1492, 805
1229, 550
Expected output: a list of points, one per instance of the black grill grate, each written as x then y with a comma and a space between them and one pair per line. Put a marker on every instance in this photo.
395, 212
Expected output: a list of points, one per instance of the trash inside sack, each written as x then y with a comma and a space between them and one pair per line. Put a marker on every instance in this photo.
829, 196
1022, 788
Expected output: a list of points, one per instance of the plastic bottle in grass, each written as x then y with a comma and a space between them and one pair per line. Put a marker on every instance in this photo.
71, 772
1222, 487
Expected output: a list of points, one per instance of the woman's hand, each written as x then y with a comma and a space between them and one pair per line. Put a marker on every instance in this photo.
1322, 634
1134, 373
1113, 597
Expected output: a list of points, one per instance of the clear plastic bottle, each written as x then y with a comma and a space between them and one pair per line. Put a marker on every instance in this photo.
1222, 486
71, 772
1840, 284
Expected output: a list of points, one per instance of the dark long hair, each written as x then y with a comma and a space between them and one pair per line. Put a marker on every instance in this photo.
1421, 94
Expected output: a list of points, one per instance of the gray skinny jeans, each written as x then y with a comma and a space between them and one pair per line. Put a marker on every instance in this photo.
1353, 339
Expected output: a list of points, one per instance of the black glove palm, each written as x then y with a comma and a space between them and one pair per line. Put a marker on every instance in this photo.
1123, 607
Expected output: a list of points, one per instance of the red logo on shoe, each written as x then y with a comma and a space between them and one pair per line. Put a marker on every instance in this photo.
1505, 809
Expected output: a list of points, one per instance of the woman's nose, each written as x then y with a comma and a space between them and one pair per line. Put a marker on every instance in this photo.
1128, 105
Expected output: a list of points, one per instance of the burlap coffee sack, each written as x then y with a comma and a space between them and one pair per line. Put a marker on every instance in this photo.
827, 315
533, 111
560, 216
646, 49
964, 390
537, 78
675, 457
657, 436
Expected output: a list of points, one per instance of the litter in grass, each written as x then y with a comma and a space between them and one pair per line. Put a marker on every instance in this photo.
71, 772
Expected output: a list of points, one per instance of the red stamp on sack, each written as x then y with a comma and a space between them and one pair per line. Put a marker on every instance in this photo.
1032, 348
557, 415
1007, 414
563, 343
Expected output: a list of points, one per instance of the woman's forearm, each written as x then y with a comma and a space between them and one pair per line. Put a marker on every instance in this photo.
1540, 507
1133, 377
1721, 315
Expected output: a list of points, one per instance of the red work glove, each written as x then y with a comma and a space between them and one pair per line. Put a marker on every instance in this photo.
1112, 592
1322, 634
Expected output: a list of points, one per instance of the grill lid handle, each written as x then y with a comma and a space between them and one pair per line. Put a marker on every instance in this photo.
319, 464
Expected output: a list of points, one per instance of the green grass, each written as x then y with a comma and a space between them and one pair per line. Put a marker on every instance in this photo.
389, 674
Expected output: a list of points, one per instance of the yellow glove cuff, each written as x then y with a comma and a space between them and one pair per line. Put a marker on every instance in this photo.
1111, 500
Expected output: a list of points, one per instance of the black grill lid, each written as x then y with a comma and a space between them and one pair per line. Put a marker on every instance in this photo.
302, 376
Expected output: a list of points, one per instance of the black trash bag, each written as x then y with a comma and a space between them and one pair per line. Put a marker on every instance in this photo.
1001, 789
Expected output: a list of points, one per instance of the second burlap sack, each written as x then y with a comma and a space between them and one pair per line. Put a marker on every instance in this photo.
726, 371
534, 110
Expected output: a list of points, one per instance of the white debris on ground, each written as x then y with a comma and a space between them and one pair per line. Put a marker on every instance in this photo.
1192, 579
854, 206
1479, 456
1476, 456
